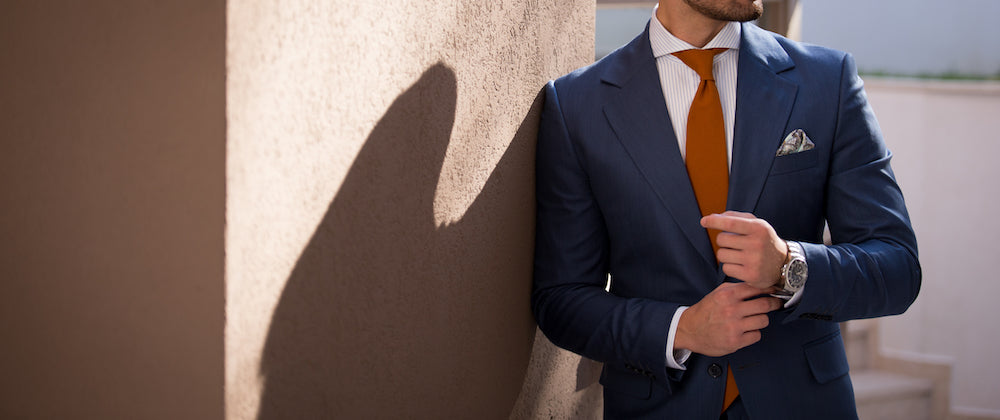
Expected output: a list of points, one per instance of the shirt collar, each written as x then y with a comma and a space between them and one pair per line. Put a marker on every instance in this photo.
664, 42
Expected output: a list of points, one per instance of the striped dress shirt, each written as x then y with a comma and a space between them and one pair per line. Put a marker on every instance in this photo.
679, 82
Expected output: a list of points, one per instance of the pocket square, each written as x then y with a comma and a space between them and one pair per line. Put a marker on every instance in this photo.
795, 142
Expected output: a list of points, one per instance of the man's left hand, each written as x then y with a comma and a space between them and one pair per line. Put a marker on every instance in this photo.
749, 248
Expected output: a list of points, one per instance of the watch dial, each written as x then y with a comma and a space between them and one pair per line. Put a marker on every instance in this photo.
797, 274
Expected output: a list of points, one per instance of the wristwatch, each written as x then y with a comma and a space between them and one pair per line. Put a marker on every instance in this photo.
795, 270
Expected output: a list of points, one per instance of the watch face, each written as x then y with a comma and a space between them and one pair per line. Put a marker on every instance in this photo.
797, 271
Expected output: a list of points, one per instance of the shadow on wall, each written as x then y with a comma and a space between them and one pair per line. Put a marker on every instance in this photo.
385, 313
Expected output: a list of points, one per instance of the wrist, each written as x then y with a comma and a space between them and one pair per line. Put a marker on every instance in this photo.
682, 339
780, 282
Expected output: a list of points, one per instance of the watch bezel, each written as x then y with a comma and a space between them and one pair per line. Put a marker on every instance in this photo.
795, 274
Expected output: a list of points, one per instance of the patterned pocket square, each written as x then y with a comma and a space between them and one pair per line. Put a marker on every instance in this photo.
796, 141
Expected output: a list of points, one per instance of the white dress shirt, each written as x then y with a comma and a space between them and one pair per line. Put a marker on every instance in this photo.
679, 84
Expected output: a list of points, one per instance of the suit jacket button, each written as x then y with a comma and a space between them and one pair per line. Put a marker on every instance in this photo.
715, 370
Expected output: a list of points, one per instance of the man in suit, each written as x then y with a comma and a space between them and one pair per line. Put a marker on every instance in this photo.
740, 322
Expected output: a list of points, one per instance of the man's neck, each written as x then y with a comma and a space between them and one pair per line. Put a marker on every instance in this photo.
686, 24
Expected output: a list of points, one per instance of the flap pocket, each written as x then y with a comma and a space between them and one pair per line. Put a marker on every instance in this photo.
795, 162
617, 379
826, 357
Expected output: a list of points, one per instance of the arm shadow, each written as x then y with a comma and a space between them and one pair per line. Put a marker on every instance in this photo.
385, 313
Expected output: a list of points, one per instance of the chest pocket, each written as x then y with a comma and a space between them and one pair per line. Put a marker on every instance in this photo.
795, 162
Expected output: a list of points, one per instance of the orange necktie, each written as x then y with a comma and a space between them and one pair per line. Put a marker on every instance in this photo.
707, 160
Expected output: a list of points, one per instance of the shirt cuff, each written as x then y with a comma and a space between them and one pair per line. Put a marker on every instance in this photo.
676, 358
795, 298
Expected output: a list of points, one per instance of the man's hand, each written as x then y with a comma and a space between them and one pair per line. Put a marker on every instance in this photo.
725, 320
749, 249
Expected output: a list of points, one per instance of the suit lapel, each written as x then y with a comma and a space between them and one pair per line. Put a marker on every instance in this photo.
763, 105
638, 115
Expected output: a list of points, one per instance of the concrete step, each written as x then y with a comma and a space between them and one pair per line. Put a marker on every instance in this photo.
881, 395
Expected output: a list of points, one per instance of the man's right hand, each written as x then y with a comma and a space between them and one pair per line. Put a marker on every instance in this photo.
727, 319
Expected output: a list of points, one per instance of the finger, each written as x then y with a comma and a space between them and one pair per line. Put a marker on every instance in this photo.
775, 303
749, 338
731, 240
738, 292
728, 255
727, 223
755, 306
756, 322
771, 304
740, 214
748, 246
772, 290
748, 273
763, 305
735, 271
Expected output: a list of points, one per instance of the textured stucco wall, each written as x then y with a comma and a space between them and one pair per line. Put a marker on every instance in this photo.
112, 125
380, 209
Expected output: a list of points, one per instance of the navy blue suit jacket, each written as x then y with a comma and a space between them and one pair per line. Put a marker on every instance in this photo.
613, 197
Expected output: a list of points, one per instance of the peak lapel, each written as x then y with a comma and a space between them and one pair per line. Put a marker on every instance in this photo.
638, 116
763, 105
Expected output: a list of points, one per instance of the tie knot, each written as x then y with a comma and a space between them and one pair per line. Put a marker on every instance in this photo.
700, 60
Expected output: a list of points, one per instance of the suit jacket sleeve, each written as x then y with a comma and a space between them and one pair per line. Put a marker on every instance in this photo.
872, 267
569, 299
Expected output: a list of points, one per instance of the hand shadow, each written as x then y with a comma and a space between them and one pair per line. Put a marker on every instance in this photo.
386, 314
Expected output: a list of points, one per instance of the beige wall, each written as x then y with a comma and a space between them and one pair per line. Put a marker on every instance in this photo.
943, 136
301, 210
112, 120
380, 208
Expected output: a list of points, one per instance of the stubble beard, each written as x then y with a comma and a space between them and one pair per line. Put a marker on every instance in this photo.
730, 11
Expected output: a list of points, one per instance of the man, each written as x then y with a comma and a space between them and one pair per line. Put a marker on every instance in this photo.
716, 308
